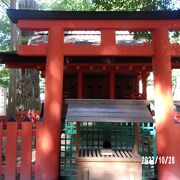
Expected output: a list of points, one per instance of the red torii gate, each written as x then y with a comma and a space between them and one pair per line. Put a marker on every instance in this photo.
159, 23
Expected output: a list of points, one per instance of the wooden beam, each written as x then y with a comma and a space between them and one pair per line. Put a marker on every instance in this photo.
107, 50
101, 50
88, 50
175, 50
33, 50
39, 66
141, 25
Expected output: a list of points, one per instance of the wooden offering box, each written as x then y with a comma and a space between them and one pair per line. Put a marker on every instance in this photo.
115, 164
123, 164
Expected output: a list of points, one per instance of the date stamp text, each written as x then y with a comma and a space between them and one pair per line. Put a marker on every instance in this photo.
146, 160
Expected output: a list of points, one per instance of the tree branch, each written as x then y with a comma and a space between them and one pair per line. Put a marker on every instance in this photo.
6, 3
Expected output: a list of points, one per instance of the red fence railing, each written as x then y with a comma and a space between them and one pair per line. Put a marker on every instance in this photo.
33, 115
17, 150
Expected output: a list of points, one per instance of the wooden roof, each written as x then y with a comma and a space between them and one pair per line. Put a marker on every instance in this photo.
107, 110
15, 15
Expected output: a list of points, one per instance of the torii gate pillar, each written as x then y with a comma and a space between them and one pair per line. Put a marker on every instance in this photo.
163, 100
48, 139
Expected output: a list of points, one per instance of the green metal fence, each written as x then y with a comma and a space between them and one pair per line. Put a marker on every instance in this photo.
147, 149
92, 135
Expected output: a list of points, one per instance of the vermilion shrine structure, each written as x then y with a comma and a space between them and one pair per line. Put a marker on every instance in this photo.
83, 66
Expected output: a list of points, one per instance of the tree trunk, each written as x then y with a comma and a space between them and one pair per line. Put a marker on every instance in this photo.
12, 93
24, 91
28, 89
12, 85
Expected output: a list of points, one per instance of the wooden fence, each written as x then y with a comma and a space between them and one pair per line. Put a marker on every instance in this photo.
18, 149
21, 115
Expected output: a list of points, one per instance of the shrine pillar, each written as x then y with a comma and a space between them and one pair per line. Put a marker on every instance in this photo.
80, 85
163, 100
112, 85
48, 137
144, 83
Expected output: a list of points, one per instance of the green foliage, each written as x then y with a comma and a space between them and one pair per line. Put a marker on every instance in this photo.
67, 5
24, 40
144, 35
4, 33
175, 37
131, 5
4, 4
106, 5
4, 76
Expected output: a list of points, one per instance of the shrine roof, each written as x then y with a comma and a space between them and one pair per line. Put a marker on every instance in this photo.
15, 15
13, 57
107, 110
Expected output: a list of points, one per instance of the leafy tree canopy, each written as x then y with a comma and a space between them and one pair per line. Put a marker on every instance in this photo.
4, 33
4, 26
132, 5
67, 5
107, 5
